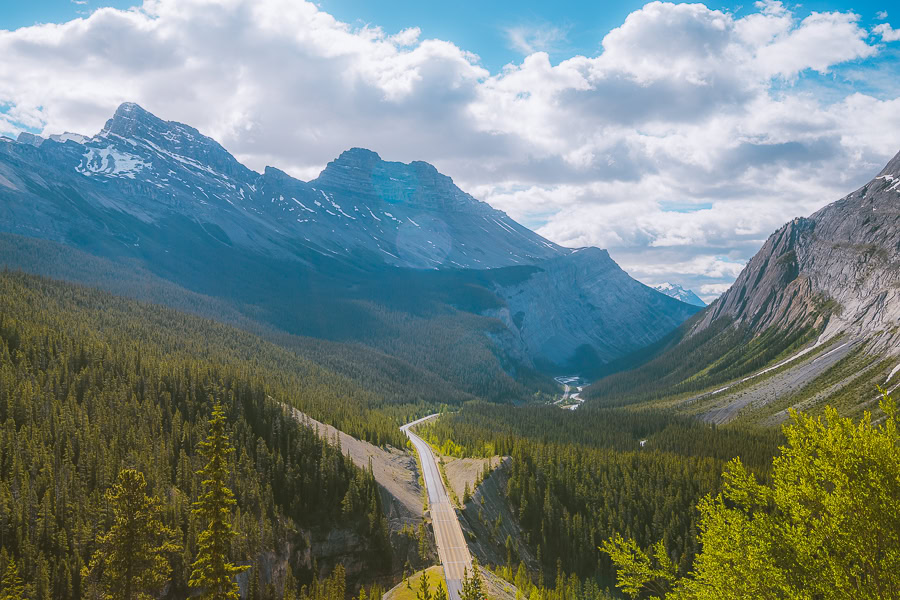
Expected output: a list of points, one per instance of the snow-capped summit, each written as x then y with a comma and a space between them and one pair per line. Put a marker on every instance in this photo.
679, 293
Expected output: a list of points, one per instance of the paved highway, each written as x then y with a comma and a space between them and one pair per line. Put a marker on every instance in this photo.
451, 544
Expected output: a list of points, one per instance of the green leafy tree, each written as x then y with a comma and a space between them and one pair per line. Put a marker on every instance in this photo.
424, 592
132, 559
827, 528
212, 570
11, 586
638, 571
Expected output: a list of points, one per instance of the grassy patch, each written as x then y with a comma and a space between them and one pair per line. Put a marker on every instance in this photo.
402, 592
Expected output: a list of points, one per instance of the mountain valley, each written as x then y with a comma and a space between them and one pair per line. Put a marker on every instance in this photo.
152, 282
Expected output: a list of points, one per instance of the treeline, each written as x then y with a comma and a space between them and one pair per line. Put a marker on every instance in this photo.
152, 331
91, 384
569, 499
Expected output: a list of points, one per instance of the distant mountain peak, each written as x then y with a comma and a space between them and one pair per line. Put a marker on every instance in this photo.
676, 291
414, 184
170, 141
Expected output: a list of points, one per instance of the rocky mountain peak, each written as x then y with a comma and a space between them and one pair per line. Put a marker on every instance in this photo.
30, 138
416, 184
892, 168
352, 164
130, 119
137, 126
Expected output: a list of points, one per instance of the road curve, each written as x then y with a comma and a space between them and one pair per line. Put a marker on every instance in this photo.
451, 544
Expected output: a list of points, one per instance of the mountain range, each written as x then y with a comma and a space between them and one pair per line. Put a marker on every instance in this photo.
371, 252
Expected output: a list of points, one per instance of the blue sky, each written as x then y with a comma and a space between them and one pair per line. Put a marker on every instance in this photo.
677, 136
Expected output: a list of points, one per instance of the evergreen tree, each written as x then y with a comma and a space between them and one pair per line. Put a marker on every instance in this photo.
424, 592
441, 592
473, 587
212, 570
11, 586
423, 541
132, 559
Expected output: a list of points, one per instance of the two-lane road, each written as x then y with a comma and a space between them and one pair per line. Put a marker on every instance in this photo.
451, 544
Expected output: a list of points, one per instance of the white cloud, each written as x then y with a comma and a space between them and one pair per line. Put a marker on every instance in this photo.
881, 15
680, 147
887, 33
710, 291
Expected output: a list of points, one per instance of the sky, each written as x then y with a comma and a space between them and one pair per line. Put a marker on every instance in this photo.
677, 136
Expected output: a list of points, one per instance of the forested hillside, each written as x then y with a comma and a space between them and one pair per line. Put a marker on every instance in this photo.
410, 335
579, 477
91, 384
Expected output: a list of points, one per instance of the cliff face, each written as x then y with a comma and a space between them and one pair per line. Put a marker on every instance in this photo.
586, 300
839, 268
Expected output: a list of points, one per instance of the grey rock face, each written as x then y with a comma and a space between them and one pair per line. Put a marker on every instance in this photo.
839, 268
585, 299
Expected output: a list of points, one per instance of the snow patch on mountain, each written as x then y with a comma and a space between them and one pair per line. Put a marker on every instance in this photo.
109, 161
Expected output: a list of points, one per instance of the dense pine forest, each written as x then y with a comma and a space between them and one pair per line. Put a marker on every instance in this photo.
579, 477
91, 384
406, 336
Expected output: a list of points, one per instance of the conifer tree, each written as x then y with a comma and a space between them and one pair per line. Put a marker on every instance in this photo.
423, 541
441, 592
132, 558
11, 586
212, 570
473, 587
424, 592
